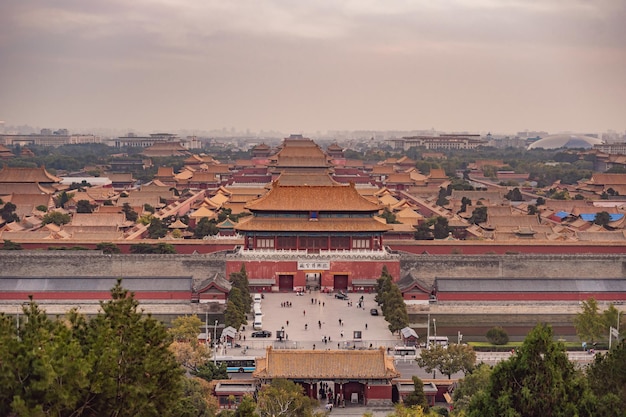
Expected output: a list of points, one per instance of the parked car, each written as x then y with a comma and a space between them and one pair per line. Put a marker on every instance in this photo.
262, 333
374, 311
341, 295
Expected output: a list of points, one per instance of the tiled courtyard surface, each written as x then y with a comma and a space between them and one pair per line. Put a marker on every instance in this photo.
315, 315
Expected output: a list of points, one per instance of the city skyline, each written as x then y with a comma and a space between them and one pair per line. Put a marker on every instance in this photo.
300, 67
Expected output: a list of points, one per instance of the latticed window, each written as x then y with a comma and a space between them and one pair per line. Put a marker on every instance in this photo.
361, 243
264, 243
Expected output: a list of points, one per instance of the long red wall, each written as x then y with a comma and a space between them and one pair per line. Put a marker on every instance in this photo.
502, 248
530, 296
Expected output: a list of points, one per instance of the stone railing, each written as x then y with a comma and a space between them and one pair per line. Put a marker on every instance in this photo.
305, 254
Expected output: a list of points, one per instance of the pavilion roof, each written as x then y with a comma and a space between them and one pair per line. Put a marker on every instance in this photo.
312, 198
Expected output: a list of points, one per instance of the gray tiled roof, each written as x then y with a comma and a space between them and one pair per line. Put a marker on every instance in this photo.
529, 285
79, 283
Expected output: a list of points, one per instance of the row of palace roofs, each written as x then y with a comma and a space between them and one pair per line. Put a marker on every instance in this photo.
301, 182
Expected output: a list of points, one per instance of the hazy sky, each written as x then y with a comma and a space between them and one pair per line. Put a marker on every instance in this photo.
304, 66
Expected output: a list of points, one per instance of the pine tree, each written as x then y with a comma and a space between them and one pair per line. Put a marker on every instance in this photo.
538, 381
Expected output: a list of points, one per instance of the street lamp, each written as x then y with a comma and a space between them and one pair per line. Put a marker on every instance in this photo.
206, 328
435, 328
215, 343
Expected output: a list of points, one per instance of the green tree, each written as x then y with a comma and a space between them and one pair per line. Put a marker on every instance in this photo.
423, 232
233, 316
43, 368
383, 285
205, 227
63, 198
607, 378
186, 329
602, 218
394, 309
532, 209
240, 280
538, 381
164, 248
441, 229
475, 381
389, 216
479, 215
195, 400
156, 229
514, 195
57, 218
8, 245
497, 336
108, 247
7, 212
130, 214
209, 371
417, 397
401, 410
464, 203
283, 398
441, 198
116, 364
133, 371
147, 248
589, 323
247, 407
84, 206
447, 359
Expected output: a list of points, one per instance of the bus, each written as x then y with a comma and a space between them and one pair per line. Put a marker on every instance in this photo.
438, 340
405, 352
237, 363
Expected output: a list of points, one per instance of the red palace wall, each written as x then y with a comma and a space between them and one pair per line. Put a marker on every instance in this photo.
376, 392
354, 269
530, 296
483, 247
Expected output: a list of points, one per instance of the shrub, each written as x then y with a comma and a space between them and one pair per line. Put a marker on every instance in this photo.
498, 336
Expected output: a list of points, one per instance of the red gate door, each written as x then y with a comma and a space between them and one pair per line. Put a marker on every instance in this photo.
285, 283
340, 282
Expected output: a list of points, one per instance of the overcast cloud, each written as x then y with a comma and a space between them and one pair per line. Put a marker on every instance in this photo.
306, 66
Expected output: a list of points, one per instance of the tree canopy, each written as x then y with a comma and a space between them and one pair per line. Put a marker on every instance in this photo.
447, 359
538, 381
118, 363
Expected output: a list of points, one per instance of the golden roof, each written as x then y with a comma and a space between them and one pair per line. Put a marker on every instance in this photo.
21, 175
313, 198
326, 364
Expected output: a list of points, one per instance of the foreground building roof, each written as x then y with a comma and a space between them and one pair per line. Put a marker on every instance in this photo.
325, 364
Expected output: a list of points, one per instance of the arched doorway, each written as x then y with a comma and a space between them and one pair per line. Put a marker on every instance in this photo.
312, 280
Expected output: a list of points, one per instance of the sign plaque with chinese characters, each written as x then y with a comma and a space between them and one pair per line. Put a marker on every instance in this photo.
313, 265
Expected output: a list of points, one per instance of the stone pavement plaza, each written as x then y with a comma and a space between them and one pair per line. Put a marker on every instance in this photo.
303, 330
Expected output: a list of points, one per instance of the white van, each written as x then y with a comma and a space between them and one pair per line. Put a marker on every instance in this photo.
257, 310
258, 323
257, 298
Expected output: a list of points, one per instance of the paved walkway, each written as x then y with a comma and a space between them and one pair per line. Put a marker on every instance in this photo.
315, 315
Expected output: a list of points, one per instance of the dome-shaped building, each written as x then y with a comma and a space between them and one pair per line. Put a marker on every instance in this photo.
565, 141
